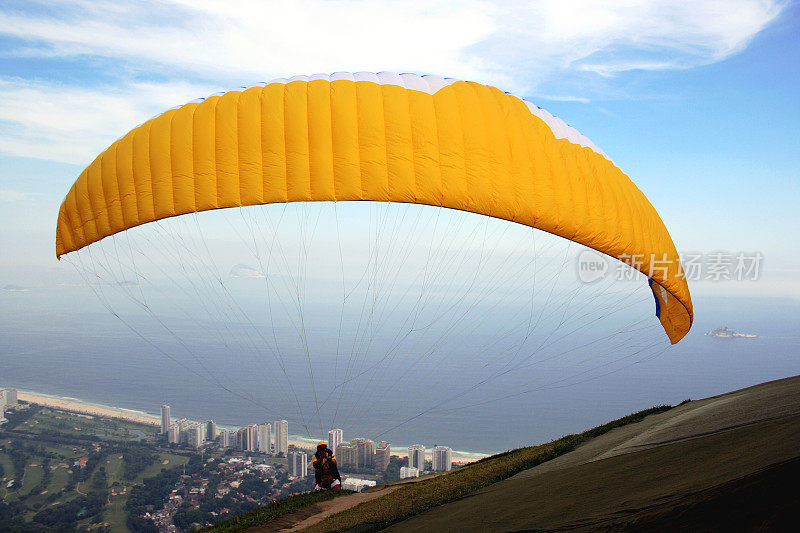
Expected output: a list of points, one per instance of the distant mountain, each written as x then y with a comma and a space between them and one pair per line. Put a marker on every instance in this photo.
14, 288
244, 271
727, 333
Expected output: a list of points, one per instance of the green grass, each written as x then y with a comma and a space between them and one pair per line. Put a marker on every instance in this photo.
155, 468
60, 479
416, 498
114, 468
115, 515
50, 421
274, 510
64, 450
8, 466
33, 475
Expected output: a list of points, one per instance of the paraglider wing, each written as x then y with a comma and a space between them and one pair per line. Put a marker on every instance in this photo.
378, 137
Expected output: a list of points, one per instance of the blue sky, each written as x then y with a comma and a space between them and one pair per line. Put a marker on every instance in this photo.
700, 107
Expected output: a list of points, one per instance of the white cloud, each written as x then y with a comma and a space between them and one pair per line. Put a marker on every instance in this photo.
549, 47
552, 39
255, 41
564, 98
72, 124
10, 195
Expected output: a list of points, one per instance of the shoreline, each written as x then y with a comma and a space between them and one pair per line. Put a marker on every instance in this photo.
75, 405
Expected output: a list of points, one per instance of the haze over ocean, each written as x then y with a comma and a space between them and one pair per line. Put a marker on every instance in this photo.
68, 357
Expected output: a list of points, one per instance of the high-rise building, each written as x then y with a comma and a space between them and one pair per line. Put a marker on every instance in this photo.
8, 398
442, 459
241, 439
195, 435
366, 452
247, 438
383, 454
298, 464
281, 437
211, 430
252, 436
335, 437
347, 455
225, 438
416, 457
183, 425
265, 437
165, 420
174, 434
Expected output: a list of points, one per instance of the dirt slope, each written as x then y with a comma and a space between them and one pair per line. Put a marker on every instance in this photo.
317, 512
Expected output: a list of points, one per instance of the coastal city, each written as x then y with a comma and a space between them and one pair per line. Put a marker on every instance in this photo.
66, 464
269, 439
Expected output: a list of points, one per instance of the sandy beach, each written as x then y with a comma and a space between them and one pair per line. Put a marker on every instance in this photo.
91, 409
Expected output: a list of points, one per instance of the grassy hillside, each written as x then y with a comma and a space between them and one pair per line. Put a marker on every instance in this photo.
419, 497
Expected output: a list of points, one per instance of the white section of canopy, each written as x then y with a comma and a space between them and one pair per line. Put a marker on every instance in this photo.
431, 84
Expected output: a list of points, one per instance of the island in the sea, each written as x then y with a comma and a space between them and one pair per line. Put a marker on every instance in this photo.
727, 333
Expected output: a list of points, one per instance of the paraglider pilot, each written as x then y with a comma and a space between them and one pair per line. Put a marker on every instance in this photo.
326, 472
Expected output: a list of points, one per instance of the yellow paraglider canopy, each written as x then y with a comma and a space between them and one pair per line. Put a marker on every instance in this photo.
378, 137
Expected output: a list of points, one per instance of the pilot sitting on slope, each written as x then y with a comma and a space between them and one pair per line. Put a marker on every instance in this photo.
326, 472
